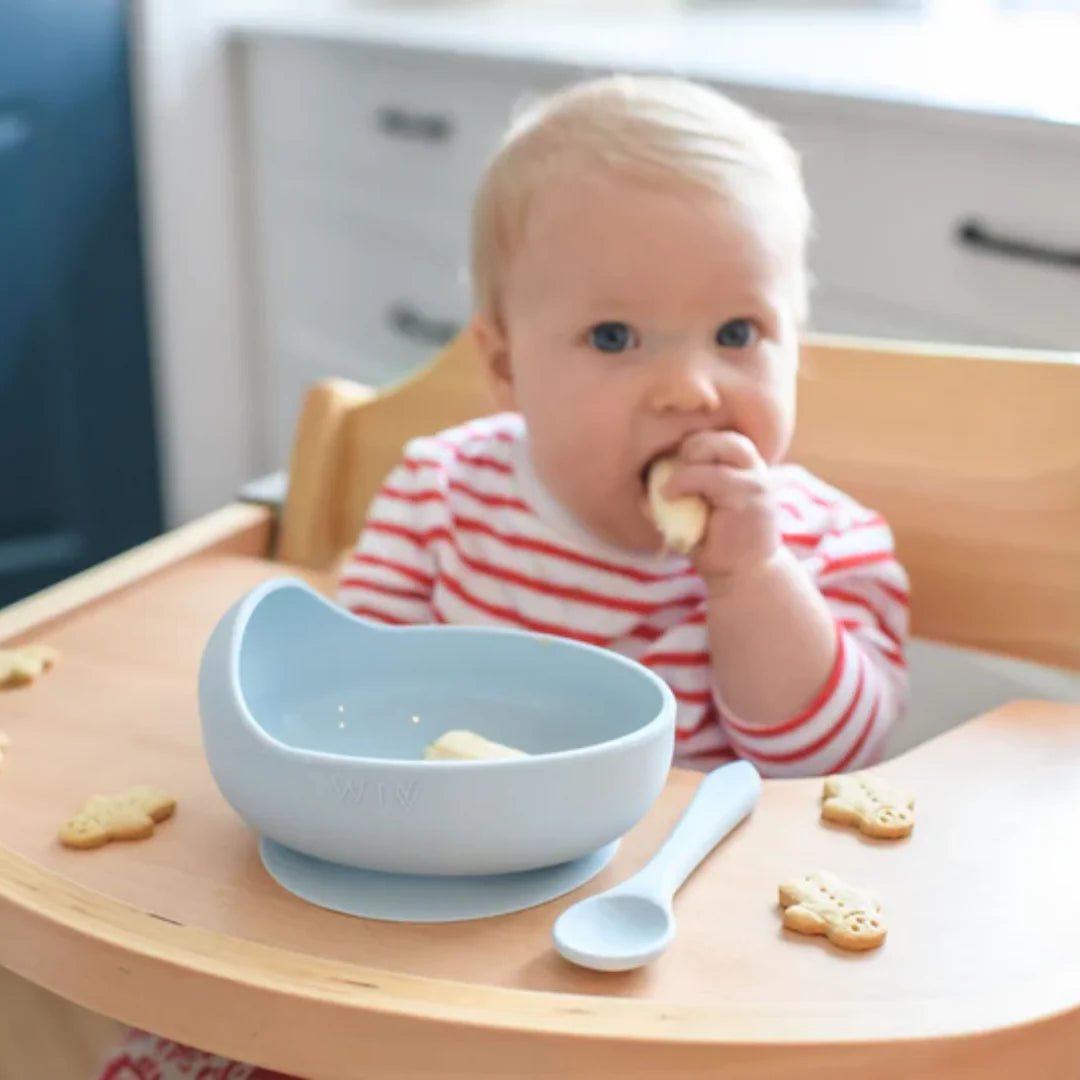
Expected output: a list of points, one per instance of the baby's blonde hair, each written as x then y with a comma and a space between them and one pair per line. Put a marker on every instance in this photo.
656, 130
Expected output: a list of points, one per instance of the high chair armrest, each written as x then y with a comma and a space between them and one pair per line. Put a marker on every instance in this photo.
237, 529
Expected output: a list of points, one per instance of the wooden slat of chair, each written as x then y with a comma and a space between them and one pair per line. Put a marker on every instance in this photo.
348, 439
974, 460
973, 457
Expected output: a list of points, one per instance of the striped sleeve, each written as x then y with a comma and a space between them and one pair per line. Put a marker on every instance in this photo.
847, 724
390, 574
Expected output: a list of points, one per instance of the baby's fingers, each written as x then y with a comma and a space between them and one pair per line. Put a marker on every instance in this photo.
720, 485
720, 448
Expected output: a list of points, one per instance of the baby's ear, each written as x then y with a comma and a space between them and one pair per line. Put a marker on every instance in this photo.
494, 351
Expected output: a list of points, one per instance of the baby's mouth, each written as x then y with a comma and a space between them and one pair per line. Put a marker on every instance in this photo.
643, 474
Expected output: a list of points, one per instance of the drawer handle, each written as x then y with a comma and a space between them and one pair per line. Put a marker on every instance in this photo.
410, 323
974, 234
424, 127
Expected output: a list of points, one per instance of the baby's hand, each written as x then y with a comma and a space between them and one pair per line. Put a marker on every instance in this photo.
725, 469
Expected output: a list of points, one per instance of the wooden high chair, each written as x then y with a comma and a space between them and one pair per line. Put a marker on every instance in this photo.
975, 462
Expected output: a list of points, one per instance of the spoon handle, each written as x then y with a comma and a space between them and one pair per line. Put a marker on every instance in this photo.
722, 800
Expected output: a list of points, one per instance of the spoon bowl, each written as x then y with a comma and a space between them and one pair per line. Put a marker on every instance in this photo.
616, 932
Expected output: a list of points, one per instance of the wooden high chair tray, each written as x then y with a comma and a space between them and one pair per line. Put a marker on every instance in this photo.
186, 935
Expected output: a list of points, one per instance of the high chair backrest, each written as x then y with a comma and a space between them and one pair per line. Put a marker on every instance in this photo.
973, 457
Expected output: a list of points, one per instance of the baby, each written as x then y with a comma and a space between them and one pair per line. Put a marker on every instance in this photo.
640, 285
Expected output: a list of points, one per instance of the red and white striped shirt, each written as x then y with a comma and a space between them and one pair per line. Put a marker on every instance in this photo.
463, 532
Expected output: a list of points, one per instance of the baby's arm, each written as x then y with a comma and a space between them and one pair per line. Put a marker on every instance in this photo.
810, 656
390, 574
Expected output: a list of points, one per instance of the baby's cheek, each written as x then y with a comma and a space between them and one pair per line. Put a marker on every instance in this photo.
772, 422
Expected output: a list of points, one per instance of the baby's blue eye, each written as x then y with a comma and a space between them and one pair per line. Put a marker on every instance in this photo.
612, 337
736, 334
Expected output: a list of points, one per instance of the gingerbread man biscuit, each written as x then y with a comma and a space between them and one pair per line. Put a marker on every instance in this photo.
822, 904
23, 665
865, 800
131, 815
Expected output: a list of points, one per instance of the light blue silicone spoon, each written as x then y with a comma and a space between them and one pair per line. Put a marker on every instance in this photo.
632, 924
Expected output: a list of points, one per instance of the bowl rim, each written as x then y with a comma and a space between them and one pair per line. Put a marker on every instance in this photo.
245, 608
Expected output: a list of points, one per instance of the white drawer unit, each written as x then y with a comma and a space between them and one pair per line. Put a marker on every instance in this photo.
345, 294
977, 228
836, 310
361, 163
386, 125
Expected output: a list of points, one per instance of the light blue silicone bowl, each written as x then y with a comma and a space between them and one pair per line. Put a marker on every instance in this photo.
315, 722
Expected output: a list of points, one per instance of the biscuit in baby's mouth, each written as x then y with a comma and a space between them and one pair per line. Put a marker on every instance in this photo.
681, 522
130, 815
22, 665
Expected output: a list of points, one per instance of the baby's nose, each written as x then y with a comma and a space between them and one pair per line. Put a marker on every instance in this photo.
686, 387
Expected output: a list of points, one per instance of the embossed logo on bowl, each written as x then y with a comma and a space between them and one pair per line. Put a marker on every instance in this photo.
373, 794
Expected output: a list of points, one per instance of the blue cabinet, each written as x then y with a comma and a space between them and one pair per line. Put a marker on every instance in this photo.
79, 475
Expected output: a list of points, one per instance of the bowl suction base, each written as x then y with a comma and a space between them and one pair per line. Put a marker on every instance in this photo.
369, 894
